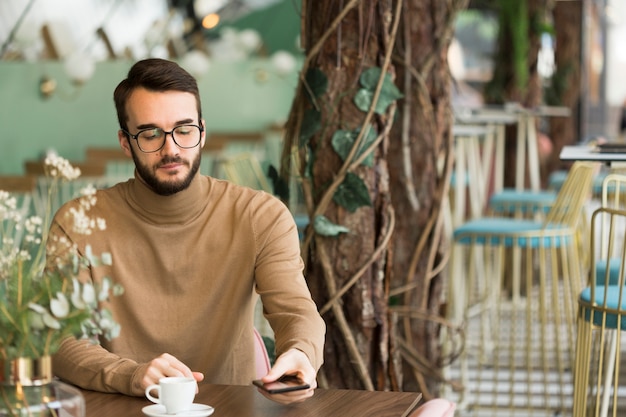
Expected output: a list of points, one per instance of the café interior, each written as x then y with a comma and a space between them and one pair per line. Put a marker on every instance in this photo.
60, 61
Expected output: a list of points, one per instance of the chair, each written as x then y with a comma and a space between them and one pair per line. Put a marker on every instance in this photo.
262, 359
524, 202
245, 169
602, 309
528, 202
437, 407
520, 314
117, 166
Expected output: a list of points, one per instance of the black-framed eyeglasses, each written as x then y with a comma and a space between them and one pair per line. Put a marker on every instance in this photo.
153, 139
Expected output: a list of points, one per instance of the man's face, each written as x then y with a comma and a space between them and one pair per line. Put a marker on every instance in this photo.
170, 169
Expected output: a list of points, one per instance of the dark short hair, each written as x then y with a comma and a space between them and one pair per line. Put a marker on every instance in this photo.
154, 74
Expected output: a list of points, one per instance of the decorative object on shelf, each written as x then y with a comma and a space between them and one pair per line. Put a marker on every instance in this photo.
42, 299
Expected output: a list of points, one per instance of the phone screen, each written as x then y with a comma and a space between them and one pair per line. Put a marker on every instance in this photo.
284, 384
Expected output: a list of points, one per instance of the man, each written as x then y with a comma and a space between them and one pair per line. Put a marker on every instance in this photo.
191, 253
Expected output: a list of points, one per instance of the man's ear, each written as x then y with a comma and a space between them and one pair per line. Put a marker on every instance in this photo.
203, 138
124, 143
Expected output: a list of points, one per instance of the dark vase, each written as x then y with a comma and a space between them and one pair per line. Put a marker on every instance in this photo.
27, 389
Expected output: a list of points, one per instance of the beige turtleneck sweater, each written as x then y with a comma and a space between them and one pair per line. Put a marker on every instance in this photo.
190, 264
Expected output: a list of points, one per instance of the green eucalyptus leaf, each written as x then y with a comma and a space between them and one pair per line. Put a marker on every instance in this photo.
311, 123
352, 193
325, 227
317, 82
343, 141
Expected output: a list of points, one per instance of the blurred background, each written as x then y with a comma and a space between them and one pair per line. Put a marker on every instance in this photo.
60, 61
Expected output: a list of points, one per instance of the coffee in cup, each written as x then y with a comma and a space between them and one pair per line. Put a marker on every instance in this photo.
176, 394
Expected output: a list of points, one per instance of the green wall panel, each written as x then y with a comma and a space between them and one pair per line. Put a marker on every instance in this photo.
236, 97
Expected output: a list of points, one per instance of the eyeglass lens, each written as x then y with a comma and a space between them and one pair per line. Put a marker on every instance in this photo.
185, 136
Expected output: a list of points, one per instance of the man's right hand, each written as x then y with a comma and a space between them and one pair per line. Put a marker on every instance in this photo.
167, 365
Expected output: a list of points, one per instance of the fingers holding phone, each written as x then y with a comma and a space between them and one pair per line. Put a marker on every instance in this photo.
287, 389
290, 365
286, 383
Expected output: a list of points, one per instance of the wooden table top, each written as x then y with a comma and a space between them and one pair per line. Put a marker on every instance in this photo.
246, 401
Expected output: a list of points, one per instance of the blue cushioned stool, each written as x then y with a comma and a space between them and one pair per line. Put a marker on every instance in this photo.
601, 319
514, 283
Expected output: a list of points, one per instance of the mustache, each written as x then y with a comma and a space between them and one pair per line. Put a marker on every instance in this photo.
170, 160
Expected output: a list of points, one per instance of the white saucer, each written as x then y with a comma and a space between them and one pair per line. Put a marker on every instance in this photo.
197, 410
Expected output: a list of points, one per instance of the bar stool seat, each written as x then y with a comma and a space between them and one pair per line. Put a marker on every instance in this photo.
509, 233
609, 298
510, 201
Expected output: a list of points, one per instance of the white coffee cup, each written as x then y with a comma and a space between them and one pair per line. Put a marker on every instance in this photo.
176, 394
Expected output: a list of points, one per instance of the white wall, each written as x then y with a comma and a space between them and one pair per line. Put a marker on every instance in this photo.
616, 53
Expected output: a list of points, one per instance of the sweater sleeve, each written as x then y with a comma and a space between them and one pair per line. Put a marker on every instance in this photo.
92, 367
83, 363
287, 302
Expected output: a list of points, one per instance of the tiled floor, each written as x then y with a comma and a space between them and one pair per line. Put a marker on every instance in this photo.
512, 380
495, 388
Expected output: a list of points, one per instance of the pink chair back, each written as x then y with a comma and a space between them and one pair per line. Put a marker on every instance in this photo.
261, 357
437, 407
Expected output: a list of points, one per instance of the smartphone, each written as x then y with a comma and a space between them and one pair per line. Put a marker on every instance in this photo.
286, 383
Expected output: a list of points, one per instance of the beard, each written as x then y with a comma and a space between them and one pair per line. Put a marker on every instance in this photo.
166, 188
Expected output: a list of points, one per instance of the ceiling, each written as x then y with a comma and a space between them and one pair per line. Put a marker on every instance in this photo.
106, 29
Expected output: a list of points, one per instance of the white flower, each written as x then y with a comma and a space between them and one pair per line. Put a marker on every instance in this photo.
36, 308
58, 167
104, 290
36, 321
88, 190
106, 259
59, 306
101, 223
89, 293
76, 297
47, 319
51, 322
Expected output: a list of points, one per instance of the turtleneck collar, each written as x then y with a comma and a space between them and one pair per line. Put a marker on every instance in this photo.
178, 208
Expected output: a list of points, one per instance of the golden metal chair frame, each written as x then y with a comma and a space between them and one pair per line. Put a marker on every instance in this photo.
599, 322
517, 298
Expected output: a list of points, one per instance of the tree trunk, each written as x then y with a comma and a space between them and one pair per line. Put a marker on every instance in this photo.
516, 78
419, 151
353, 265
566, 81
342, 40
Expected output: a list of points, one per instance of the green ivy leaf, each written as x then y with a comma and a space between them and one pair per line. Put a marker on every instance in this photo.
311, 123
325, 227
317, 82
343, 140
279, 185
352, 193
388, 94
